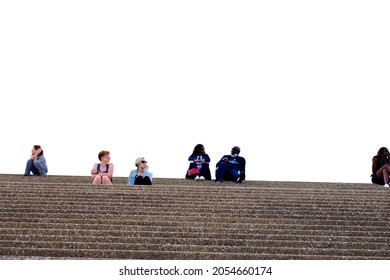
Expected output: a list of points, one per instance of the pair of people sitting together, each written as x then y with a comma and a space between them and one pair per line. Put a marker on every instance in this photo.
102, 172
228, 168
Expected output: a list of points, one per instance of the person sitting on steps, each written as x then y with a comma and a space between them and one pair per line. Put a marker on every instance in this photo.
102, 172
231, 167
37, 163
381, 168
199, 161
141, 175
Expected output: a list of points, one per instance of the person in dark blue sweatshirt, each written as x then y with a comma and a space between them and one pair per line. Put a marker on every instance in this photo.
231, 167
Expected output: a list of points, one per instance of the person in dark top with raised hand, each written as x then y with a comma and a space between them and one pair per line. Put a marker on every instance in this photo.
231, 167
381, 168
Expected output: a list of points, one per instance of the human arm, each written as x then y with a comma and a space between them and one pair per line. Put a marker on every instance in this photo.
223, 159
110, 170
199, 161
131, 179
149, 174
242, 164
374, 164
191, 158
205, 159
94, 171
36, 154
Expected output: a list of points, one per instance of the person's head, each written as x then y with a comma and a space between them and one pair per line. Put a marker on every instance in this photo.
383, 152
103, 154
140, 162
199, 150
235, 150
36, 148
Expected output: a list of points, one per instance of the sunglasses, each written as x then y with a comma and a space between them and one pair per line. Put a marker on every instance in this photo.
144, 161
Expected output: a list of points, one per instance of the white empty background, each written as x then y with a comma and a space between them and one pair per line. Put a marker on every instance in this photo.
301, 86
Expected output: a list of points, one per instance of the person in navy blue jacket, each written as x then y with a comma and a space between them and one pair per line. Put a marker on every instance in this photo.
231, 167
199, 160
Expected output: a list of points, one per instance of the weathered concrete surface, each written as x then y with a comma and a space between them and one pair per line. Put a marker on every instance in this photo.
67, 217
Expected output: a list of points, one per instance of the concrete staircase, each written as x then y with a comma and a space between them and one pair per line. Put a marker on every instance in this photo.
66, 217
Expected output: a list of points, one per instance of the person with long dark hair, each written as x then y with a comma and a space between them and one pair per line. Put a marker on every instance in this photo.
381, 168
199, 169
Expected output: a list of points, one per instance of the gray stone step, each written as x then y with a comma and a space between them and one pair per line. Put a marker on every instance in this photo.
66, 217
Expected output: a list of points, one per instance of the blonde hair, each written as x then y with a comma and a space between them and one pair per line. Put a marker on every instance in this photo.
138, 160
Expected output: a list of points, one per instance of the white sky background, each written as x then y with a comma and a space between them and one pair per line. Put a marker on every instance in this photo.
301, 86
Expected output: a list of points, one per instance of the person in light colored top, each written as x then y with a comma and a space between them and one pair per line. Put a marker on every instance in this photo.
37, 163
102, 172
141, 175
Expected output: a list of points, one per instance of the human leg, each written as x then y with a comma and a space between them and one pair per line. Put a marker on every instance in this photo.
205, 171
241, 177
386, 176
234, 175
384, 173
220, 171
97, 180
106, 180
40, 168
376, 180
32, 168
147, 181
139, 180
29, 167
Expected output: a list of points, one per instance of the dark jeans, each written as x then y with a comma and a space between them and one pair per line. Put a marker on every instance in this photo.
226, 171
36, 167
139, 180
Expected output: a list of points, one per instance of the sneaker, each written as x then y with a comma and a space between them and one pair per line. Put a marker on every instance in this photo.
386, 185
218, 182
201, 178
241, 178
197, 178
